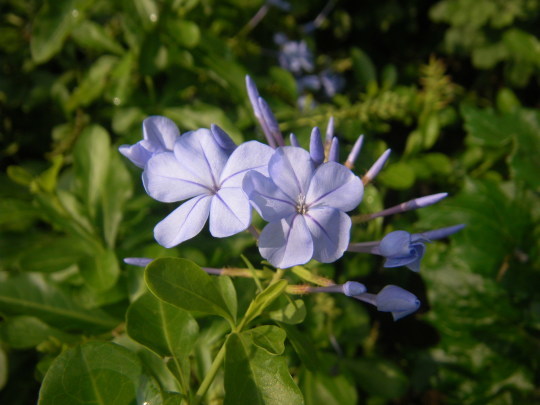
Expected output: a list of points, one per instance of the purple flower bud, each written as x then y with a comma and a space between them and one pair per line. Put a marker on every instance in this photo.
316, 148
396, 300
402, 249
352, 288
138, 261
223, 139
354, 152
377, 167
333, 154
294, 140
330, 130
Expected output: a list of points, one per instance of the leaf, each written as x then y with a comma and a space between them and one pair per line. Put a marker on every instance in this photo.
100, 270
93, 83
303, 346
380, 377
164, 328
292, 312
486, 128
185, 33
364, 70
263, 300
118, 189
321, 389
92, 156
93, 373
52, 254
182, 283
93, 36
399, 176
268, 337
34, 295
228, 292
25, 332
253, 376
524, 161
52, 25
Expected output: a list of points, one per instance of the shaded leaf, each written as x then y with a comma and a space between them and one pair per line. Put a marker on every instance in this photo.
268, 337
25, 332
100, 270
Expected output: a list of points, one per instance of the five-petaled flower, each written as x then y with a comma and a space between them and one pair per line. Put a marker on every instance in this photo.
204, 173
305, 206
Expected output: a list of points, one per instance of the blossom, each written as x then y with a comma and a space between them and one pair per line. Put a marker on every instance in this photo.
203, 173
403, 249
305, 206
295, 56
392, 299
159, 135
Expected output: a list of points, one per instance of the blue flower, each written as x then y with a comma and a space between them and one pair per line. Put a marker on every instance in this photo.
403, 249
296, 57
159, 135
396, 300
209, 177
305, 206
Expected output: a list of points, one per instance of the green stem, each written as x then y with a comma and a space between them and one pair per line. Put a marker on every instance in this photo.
209, 378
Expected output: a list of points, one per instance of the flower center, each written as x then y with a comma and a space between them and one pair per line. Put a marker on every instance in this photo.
301, 206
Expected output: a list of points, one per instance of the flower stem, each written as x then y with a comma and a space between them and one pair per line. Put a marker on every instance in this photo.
209, 378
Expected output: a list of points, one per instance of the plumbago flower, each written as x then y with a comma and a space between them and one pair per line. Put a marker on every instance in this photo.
202, 172
305, 206
303, 195
159, 135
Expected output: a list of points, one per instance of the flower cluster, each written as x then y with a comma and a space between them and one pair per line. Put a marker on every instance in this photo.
305, 197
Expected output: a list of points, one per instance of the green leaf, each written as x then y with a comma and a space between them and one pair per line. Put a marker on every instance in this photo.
100, 270
228, 292
185, 33
52, 25
182, 283
399, 176
380, 377
524, 161
364, 70
93, 373
303, 346
118, 189
92, 157
93, 83
52, 254
263, 300
292, 312
93, 36
25, 332
164, 328
486, 128
255, 377
268, 337
321, 389
34, 295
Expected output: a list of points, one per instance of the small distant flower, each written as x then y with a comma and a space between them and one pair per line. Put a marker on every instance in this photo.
295, 56
403, 249
331, 82
305, 206
202, 172
159, 135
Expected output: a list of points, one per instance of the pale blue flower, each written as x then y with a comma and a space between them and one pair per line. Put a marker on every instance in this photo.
305, 206
403, 249
392, 299
159, 135
296, 57
202, 172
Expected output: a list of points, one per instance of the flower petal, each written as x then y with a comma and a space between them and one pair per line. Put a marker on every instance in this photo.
291, 169
200, 154
160, 133
248, 156
166, 180
269, 201
286, 243
396, 244
184, 222
230, 212
330, 229
136, 153
334, 185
